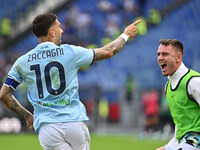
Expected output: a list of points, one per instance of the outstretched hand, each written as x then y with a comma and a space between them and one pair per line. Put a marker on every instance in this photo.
131, 30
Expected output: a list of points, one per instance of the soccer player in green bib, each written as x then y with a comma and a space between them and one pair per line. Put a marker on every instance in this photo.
183, 96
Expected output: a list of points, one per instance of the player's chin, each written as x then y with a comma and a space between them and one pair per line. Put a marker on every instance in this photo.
165, 73
59, 43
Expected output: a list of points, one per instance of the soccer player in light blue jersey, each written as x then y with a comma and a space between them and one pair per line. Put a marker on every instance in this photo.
50, 74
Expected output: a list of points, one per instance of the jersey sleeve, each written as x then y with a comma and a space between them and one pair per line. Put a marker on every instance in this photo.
83, 56
194, 89
14, 72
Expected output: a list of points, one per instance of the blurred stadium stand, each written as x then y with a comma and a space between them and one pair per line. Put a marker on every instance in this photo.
22, 12
179, 19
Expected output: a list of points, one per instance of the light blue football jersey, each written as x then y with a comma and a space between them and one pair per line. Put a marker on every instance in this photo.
50, 74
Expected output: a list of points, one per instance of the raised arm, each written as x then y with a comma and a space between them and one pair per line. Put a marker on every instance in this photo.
115, 46
6, 96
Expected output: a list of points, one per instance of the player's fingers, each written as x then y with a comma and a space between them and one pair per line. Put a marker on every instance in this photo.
31, 127
136, 22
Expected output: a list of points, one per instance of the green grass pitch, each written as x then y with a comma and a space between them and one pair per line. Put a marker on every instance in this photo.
98, 142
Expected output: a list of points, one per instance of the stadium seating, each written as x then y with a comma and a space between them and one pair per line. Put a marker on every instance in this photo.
13, 8
139, 57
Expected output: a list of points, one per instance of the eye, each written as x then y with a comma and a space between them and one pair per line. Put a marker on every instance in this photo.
165, 54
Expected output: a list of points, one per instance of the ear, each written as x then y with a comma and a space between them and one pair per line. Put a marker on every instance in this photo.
179, 57
51, 32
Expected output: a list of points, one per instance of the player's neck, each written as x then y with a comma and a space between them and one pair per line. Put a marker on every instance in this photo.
44, 39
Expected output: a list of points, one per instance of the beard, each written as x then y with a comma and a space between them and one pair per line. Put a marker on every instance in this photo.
58, 42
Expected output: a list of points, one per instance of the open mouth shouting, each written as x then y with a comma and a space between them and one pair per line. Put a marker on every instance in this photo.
163, 67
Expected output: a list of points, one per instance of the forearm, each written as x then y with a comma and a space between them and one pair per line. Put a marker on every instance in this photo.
109, 50
161, 148
12, 103
6, 96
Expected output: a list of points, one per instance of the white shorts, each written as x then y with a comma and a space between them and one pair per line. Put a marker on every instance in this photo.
189, 142
65, 136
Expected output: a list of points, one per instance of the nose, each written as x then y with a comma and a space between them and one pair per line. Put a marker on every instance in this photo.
160, 57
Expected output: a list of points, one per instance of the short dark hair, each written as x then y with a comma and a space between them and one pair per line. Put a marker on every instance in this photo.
42, 23
173, 42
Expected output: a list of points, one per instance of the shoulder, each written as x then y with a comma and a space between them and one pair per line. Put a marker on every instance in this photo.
77, 49
68, 48
193, 73
194, 80
193, 77
20, 59
193, 88
65, 45
193, 83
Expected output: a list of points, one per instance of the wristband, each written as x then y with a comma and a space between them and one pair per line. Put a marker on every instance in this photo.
124, 36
